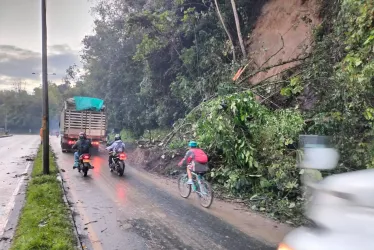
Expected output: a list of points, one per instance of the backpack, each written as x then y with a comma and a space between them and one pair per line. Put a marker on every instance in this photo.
84, 147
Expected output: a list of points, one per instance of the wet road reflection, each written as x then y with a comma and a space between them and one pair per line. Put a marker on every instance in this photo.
121, 192
97, 162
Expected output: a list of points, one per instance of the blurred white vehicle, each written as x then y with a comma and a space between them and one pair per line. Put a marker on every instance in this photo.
341, 209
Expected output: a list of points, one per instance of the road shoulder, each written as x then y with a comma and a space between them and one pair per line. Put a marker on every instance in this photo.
77, 227
45, 220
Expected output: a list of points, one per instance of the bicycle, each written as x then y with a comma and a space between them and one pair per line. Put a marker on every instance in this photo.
201, 187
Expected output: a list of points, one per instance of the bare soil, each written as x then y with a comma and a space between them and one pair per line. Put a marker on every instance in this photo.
156, 160
291, 20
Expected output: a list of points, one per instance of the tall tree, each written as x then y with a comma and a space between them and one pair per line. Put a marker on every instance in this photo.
226, 30
238, 30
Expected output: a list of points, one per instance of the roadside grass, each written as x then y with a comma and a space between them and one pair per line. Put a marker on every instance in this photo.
45, 221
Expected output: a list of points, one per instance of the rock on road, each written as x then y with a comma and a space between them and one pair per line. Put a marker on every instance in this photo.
143, 211
14, 152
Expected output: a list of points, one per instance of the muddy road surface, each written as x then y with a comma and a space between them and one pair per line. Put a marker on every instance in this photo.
144, 211
15, 155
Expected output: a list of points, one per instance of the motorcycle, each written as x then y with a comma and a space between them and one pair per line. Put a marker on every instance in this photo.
84, 164
118, 163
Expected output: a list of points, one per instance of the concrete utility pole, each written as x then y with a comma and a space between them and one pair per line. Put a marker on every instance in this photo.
45, 125
6, 120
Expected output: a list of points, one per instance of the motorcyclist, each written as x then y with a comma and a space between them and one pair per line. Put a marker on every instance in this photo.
193, 155
116, 147
83, 147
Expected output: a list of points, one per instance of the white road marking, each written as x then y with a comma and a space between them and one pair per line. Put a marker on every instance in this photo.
9, 207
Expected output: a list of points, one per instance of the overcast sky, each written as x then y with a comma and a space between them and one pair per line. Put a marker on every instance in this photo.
68, 21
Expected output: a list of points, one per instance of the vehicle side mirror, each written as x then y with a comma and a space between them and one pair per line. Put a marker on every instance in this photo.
320, 158
318, 153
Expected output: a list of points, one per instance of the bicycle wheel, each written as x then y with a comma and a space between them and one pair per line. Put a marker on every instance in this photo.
184, 188
206, 194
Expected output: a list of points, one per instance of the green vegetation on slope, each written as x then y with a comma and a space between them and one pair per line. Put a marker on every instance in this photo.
153, 61
255, 149
45, 221
341, 73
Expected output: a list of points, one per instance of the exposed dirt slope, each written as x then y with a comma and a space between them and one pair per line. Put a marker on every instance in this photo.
290, 20
155, 160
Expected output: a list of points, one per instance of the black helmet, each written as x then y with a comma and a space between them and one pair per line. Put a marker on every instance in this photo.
82, 135
117, 137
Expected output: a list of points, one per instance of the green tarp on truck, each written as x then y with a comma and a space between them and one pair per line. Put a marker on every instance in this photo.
88, 103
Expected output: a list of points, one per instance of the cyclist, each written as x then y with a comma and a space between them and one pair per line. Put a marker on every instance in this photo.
193, 156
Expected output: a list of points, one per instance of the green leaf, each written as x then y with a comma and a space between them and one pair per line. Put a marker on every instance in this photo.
286, 92
295, 81
370, 38
358, 62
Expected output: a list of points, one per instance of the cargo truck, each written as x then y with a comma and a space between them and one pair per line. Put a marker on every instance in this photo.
82, 114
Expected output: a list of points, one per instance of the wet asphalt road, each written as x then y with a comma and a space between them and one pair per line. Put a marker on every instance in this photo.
13, 154
132, 212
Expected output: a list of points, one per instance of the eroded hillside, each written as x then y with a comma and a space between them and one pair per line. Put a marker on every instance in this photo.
283, 32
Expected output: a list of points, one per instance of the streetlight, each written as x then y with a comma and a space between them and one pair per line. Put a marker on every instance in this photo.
51, 74
45, 122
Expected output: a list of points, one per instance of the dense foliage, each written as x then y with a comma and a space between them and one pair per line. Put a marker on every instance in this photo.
22, 111
19, 110
153, 61
340, 75
252, 147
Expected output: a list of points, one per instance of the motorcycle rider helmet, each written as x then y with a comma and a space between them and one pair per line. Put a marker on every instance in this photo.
117, 137
82, 135
192, 144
